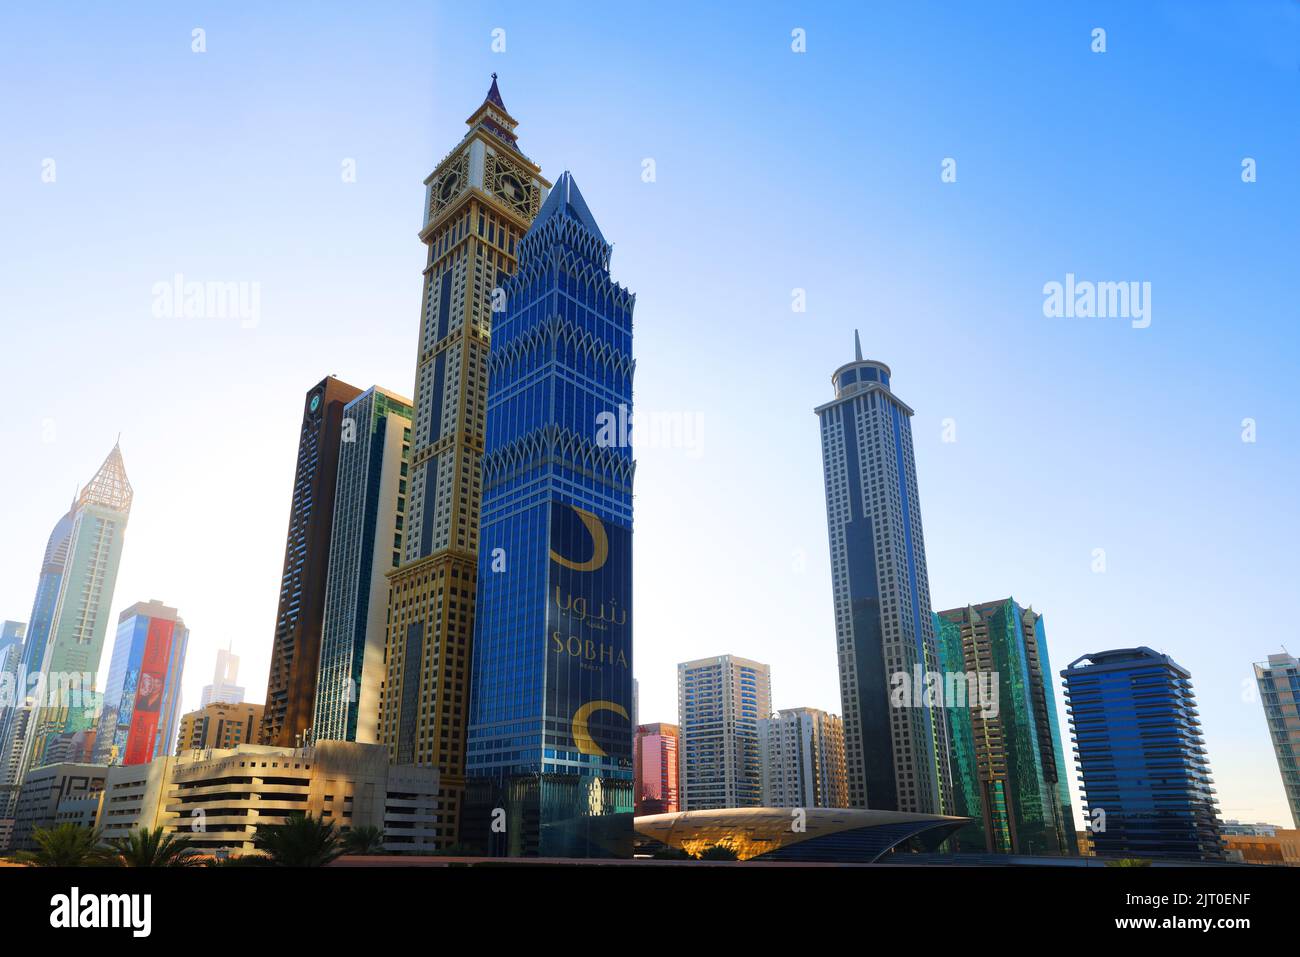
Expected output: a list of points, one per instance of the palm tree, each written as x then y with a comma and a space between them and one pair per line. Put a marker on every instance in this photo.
153, 848
67, 845
364, 840
717, 852
301, 841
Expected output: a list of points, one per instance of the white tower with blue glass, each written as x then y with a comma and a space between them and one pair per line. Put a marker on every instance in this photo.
896, 745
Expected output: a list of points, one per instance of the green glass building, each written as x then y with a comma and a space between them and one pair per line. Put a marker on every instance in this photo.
365, 544
1008, 767
66, 704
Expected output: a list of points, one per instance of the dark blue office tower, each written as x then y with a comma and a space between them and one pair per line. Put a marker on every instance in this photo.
549, 752
1146, 777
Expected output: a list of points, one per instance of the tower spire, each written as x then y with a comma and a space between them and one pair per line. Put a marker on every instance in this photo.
110, 486
857, 347
493, 116
494, 94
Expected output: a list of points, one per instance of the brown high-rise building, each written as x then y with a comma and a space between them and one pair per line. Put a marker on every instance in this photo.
219, 725
295, 657
479, 202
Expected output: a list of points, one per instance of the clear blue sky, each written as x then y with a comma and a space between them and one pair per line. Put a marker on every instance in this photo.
774, 171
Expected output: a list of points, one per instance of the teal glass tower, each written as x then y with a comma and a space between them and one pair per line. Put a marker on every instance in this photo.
1008, 767
550, 732
66, 652
365, 544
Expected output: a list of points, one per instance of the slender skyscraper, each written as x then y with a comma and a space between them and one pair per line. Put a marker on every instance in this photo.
295, 655
1008, 767
895, 743
1146, 778
66, 652
551, 708
1279, 691
142, 696
15, 719
479, 202
367, 544
53, 565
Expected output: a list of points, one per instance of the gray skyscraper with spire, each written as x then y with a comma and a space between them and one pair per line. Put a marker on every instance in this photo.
896, 745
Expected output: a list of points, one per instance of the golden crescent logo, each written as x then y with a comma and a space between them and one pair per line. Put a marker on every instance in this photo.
586, 744
599, 544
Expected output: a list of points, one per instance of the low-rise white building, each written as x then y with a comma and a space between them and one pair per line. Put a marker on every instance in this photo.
218, 797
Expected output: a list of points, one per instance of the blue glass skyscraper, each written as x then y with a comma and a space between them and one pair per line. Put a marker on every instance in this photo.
550, 733
1146, 777
32, 651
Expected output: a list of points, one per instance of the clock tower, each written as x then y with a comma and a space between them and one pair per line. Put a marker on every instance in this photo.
479, 201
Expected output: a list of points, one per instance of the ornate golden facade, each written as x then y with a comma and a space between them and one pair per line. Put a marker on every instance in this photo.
479, 203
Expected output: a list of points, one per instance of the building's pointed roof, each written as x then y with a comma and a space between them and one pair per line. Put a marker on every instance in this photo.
110, 487
494, 94
493, 116
566, 200
857, 347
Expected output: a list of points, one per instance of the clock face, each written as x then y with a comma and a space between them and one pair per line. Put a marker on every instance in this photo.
450, 182
512, 190
510, 184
